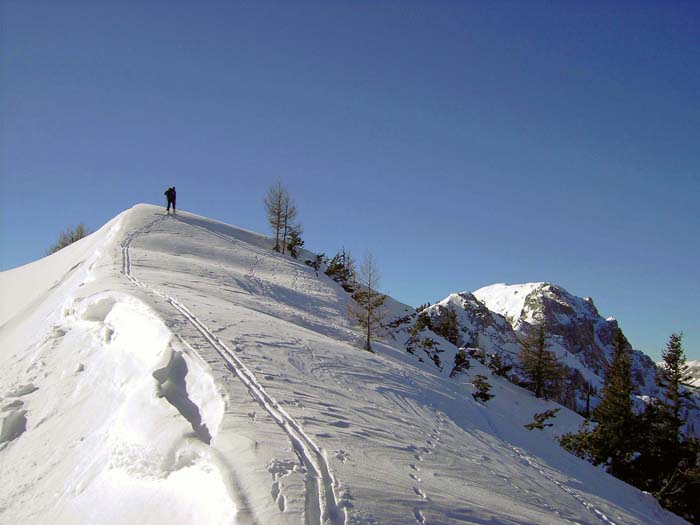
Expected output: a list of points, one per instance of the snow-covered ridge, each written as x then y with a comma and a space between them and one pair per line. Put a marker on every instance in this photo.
176, 370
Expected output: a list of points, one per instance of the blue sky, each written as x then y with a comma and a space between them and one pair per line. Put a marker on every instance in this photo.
465, 143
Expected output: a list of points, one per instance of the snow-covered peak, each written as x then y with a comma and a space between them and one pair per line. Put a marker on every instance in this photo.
507, 300
528, 302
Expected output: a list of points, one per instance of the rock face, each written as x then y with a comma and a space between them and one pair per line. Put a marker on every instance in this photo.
572, 322
478, 327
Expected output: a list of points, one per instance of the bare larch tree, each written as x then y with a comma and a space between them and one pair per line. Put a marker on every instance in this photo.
368, 308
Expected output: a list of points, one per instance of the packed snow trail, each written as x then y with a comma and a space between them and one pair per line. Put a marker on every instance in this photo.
321, 500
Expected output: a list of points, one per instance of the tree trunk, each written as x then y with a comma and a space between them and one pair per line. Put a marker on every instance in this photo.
277, 228
285, 218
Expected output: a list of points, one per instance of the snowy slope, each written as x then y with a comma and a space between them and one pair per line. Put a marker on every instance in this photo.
176, 370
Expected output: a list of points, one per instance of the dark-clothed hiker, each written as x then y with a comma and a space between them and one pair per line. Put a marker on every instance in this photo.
170, 195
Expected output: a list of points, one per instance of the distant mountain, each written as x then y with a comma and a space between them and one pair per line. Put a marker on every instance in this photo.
573, 324
495, 318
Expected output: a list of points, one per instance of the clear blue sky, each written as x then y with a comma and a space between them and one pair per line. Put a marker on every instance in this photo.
465, 143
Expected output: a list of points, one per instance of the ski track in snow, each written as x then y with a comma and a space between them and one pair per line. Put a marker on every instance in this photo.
563, 487
321, 500
528, 460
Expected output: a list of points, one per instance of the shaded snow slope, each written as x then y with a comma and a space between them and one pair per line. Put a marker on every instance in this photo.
185, 373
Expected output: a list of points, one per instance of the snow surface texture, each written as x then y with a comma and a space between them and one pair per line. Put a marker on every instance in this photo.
173, 369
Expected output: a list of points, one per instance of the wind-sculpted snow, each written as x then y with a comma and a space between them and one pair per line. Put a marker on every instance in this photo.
188, 374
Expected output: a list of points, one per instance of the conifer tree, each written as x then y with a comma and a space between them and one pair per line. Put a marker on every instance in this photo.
295, 242
614, 437
341, 268
368, 309
539, 365
667, 459
671, 379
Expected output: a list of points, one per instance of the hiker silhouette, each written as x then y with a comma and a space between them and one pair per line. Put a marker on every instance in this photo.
170, 194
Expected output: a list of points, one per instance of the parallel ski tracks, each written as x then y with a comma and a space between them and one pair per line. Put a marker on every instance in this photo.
321, 500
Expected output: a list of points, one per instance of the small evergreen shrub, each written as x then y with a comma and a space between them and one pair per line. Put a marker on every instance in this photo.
461, 363
500, 364
295, 244
539, 419
341, 269
482, 389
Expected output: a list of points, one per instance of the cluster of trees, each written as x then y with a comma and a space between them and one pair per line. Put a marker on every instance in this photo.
447, 325
341, 268
647, 449
366, 307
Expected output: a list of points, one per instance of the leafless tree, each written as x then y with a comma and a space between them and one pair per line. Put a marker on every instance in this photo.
367, 309
281, 214
69, 236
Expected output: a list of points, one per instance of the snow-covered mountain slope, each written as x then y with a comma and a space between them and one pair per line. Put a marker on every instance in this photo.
694, 373
173, 369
